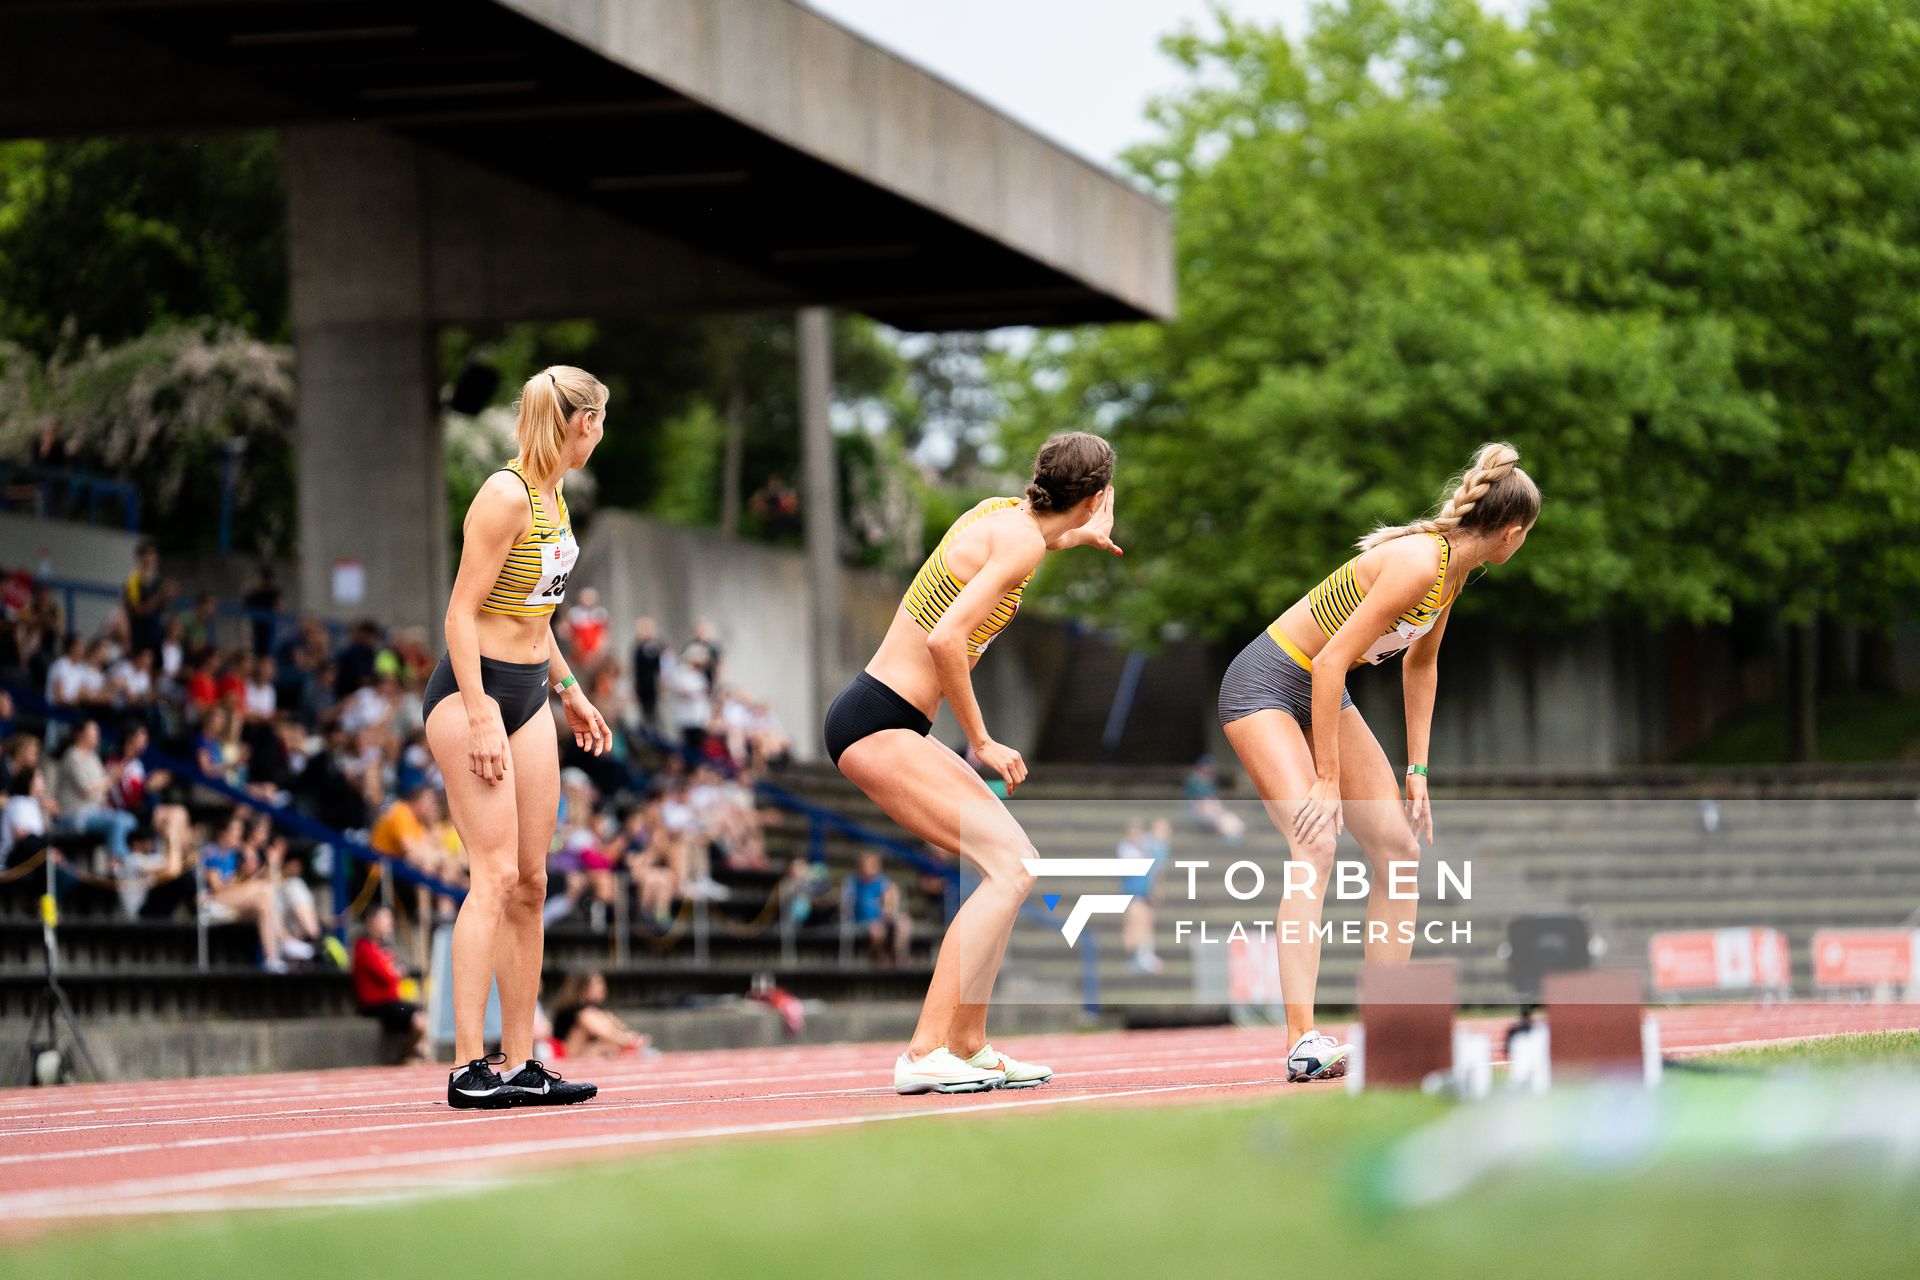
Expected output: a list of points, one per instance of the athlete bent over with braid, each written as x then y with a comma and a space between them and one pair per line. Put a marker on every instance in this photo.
1286, 710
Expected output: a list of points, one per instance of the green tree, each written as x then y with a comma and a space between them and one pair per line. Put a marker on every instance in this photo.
1774, 155
162, 409
1408, 235
108, 237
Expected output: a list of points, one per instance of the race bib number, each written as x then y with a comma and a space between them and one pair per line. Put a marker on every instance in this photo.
1393, 642
556, 566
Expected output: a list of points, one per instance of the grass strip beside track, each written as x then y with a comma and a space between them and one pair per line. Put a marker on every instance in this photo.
1247, 1188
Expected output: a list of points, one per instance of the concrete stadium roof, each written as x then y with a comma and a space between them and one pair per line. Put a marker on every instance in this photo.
757, 132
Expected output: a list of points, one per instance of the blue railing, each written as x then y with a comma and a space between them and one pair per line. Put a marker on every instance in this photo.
61, 493
344, 846
290, 819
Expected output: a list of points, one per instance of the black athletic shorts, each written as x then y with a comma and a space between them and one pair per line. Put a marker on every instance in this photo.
866, 707
519, 687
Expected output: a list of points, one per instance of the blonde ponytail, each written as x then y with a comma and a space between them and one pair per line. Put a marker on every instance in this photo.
547, 404
1492, 493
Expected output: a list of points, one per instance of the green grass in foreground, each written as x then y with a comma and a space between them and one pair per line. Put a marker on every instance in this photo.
1246, 1189
1887, 1049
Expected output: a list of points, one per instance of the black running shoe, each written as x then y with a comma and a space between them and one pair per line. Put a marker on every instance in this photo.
534, 1085
478, 1086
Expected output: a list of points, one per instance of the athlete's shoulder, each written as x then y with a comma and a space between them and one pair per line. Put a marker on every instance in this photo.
501, 499
1412, 551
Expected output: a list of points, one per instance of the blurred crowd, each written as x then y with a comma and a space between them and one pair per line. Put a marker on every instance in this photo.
326, 721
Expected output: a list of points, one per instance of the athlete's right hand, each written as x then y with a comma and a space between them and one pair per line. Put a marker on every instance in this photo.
1320, 811
1004, 761
487, 743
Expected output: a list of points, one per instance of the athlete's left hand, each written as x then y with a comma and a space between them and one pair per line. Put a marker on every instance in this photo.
1419, 808
590, 732
1099, 526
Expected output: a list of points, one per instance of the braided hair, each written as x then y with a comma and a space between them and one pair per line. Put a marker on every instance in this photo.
1493, 493
1070, 468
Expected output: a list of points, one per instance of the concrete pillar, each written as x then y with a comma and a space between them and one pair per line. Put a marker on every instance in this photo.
820, 501
369, 466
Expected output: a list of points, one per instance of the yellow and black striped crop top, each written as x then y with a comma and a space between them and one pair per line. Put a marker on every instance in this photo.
935, 588
1338, 595
534, 578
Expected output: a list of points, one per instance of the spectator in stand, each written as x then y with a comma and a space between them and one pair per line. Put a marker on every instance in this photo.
260, 698
135, 791
80, 793
73, 681
200, 684
326, 789
173, 651
649, 653
236, 889
655, 861
404, 831
584, 868
1136, 929
230, 681
201, 627
777, 507
298, 912
263, 602
703, 653
689, 704
804, 888
130, 682
586, 629
877, 910
377, 989
45, 622
219, 751
144, 597
23, 823
581, 1024
353, 665
1204, 806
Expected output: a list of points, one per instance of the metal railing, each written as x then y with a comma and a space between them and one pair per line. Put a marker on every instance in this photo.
61, 492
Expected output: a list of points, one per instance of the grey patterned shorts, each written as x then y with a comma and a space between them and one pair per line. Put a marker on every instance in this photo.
1266, 677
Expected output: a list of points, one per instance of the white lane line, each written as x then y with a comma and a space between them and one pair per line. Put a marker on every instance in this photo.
34, 1202
494, 1118
414, 1103
222, 1089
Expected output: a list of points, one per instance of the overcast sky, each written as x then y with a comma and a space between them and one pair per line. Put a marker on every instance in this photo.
1078, 71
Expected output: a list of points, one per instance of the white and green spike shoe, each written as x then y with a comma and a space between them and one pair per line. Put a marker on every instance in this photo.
1317, 1057
943, 1072
1019, 1075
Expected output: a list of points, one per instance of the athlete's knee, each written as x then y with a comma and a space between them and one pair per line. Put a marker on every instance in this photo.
1005, 867
1391, 850
1316, 852
494, 884
530, 890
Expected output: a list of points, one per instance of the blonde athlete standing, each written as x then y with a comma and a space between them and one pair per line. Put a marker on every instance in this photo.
877, 732
489, 731
1291, 681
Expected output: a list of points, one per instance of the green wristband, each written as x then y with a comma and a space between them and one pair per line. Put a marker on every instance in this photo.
1417, 768
565, 684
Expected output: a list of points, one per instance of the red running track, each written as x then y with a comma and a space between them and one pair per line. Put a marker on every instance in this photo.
367, 1135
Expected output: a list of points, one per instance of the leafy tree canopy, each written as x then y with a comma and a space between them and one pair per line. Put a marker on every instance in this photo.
1668, 250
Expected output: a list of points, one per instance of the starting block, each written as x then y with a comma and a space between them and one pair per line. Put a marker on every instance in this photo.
1406, 1024
1597, 1025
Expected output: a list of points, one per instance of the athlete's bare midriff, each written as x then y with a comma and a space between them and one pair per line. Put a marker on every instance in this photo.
902, 662
506, 638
